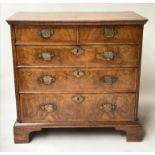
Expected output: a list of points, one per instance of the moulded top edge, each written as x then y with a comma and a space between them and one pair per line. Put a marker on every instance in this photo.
78, 17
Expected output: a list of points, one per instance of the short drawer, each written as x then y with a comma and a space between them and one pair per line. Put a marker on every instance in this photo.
77, 107
107, 55
69, 80
110, 34
42, 34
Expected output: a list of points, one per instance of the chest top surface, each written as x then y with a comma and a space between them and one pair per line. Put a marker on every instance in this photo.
101, 17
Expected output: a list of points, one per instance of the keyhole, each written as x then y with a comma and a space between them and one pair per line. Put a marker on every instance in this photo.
78, 73
77, 51
78, 98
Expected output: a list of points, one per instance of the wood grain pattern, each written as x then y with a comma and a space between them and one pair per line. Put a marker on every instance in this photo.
30, 34
126, 55
125, 34
68, 110
65, 81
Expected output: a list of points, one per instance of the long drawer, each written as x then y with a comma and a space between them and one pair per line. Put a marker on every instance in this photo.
76, 79
77, 107
99, 56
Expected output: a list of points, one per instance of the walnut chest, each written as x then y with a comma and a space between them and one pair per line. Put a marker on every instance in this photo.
77, 70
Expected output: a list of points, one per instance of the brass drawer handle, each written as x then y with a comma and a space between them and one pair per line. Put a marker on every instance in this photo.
109, 32
46, 33
47, 80
108, 55
46, 56
108, 107
77, 51
78, 73
78, 98
49, 107
108, 79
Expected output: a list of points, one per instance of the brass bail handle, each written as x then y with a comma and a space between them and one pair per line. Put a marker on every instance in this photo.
109, 32
108, 55
49, 107
108, 107
108, 79
46, 33
47, 80
46, 56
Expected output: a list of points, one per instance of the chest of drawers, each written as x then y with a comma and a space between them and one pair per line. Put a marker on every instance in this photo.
77, 70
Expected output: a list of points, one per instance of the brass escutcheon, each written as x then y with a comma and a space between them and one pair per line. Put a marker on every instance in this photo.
77, 51
78, 73
78, 98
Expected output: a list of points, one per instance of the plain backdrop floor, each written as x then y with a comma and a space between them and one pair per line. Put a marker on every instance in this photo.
78, 139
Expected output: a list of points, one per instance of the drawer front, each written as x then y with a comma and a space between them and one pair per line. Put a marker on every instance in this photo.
77, 107
110, 34
68, 80
107, 55
38, 34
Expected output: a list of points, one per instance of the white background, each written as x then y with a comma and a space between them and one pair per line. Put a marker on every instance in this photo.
75, 140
